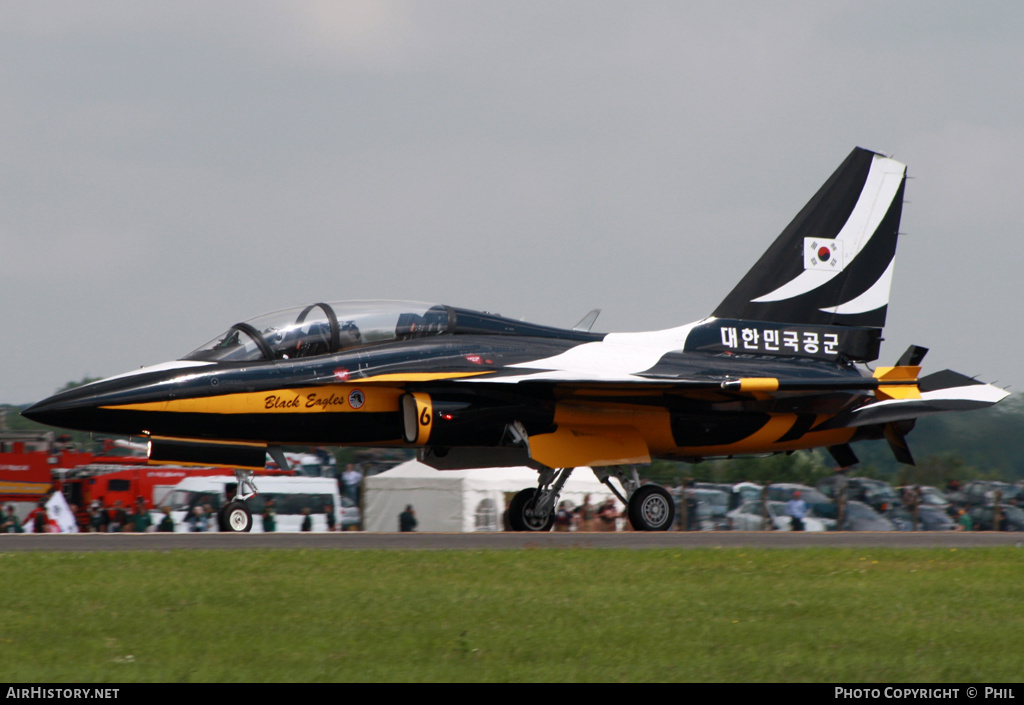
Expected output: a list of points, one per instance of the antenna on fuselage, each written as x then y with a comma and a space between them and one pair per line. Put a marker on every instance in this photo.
587, 322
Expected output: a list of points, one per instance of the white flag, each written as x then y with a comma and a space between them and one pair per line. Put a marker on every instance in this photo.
59, 511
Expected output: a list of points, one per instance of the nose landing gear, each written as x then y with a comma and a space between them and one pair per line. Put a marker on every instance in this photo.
235, 515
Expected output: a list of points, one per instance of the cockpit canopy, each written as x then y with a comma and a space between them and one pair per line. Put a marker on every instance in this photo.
323, 328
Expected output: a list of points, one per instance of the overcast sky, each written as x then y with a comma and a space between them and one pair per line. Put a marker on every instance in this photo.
168, 169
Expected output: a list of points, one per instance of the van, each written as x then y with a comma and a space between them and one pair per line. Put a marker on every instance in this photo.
290, 494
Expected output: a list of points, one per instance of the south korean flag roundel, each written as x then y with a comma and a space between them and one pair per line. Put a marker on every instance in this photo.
823, 255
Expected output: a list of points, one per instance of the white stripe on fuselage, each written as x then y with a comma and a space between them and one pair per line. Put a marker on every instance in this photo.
617, 358
161, 367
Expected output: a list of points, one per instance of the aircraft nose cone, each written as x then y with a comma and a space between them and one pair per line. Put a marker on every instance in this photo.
40, 412
91, 407
65, 410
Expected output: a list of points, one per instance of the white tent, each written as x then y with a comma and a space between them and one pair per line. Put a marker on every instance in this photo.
459, 500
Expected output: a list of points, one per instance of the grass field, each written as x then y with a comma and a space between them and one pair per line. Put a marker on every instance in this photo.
828, 615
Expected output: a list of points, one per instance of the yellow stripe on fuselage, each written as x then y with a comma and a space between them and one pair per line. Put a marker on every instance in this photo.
303, 400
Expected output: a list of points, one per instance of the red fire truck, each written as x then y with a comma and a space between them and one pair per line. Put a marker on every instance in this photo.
29, 459
34, 463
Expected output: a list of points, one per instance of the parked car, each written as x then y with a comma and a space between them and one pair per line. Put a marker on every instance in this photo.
729, 490
861, 517
879, 495
816, 501
982, 492
984, 517
746, 491
748, 517
934, 497
929, 518
712, 507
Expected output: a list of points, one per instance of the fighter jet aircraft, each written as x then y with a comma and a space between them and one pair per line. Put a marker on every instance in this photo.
779, 366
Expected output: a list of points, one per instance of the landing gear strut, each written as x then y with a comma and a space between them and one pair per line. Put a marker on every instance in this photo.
522, 513
533, 509
650, 507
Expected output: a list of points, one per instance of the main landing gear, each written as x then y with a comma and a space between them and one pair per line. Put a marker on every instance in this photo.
650, 507
235, 515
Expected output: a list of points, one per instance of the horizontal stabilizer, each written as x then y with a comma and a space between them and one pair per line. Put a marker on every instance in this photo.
940, 392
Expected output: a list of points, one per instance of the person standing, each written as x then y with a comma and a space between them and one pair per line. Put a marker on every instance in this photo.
563, 519
965, 522
167, 523
198, 520
607, 516
40, 519
269, 517
140, 519
118, 518
407, 519
352, 480
796, 508
586, 513
98, 518
9, 524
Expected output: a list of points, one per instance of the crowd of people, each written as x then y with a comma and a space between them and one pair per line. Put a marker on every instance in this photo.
54, 515
589, 517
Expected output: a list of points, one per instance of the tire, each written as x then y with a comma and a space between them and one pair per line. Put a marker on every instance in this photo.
520, 513
651, 509
237, 518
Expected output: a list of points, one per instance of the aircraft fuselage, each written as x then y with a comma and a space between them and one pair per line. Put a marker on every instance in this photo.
355, 398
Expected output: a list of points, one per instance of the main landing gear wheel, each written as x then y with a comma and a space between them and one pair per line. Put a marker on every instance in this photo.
521, 513
651, 508
236, 517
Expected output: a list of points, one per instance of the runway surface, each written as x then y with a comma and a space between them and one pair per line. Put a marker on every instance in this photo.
362, 541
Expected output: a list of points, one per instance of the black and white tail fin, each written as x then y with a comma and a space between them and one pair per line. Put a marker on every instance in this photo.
833, 264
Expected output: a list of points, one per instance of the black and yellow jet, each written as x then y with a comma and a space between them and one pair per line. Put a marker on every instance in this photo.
778, 367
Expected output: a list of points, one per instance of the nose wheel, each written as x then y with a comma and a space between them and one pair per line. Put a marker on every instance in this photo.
235, 517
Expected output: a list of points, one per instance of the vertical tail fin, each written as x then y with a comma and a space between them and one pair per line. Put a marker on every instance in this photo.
833, 263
